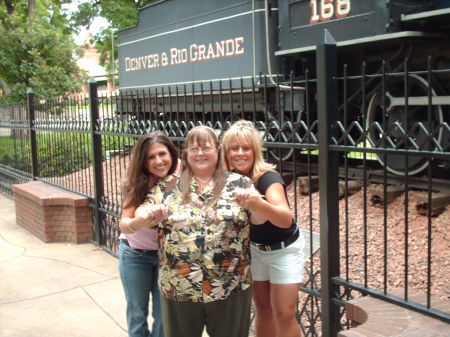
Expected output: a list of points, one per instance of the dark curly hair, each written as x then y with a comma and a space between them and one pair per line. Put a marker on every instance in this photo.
136, 183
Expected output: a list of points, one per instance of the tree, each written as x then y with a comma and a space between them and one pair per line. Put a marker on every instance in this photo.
119, 13
37, 50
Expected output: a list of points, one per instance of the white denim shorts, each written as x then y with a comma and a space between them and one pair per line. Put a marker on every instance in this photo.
280, 266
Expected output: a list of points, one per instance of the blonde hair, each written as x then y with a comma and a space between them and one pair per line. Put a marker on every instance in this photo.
241, 132
201, 134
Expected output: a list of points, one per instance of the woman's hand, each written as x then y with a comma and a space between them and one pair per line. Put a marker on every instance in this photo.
150, 215
253, 201
248, 198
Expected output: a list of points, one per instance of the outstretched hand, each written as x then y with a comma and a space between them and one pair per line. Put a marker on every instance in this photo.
248, 198
151, 215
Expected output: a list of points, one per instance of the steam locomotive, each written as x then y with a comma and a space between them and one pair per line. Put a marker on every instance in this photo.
259, 45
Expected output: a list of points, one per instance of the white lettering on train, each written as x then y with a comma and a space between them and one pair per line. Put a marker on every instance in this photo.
194, 53
215, 50
325, 10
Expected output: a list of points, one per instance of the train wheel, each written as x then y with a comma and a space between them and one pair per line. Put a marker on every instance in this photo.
397, 123
280, 134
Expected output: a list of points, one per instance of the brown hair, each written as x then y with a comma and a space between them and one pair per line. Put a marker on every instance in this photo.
201, 135
244, 132
135, 186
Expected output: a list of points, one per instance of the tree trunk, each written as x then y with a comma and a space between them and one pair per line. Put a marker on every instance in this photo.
4, 87
31, 7
9, 6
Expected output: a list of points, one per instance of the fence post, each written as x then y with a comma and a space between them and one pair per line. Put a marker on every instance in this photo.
327, 101
97, 158
32, 133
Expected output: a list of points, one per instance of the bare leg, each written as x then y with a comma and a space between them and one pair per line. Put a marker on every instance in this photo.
264, 322
284, 299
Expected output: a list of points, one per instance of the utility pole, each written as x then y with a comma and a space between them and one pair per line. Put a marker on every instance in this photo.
113, 62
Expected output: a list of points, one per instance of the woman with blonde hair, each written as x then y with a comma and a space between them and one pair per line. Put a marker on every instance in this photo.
276, 244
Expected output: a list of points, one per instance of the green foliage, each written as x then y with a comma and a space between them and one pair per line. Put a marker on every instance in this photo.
37, 51
59, 153
15, 152
62, 153
119, 13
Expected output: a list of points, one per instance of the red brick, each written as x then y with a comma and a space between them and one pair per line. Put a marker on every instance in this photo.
53, 214
379, 318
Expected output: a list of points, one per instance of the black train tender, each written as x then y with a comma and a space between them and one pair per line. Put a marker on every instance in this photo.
251, 49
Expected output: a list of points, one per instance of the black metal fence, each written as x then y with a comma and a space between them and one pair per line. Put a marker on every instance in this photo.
356, 151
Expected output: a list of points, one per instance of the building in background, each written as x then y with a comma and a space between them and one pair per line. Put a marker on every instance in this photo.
90, 63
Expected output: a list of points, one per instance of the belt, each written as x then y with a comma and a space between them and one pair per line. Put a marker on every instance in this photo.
148, 251
278, 245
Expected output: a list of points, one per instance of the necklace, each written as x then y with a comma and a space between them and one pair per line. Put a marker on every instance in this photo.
202, 183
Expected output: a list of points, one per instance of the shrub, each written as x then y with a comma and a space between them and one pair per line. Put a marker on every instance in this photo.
59, 153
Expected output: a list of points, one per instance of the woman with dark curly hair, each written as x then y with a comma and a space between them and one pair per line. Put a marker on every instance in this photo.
154, 156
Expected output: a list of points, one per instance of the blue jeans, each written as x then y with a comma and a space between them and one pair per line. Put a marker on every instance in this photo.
139, 275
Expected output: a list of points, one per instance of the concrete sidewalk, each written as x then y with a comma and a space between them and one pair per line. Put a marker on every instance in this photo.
56, 289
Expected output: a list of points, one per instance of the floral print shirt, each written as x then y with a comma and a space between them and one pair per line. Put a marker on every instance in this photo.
204, 251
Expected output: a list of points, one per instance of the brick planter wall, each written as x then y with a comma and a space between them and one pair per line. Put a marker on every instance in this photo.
53, 214
377, 318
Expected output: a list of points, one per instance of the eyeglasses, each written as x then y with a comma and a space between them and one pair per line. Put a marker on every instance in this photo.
204, 149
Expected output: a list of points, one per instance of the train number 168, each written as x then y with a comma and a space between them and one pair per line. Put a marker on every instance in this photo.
325, 10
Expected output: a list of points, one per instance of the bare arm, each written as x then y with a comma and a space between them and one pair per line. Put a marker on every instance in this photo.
134, 218
128, 222
274, 207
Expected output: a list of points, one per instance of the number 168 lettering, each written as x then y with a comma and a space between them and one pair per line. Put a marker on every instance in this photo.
325, 10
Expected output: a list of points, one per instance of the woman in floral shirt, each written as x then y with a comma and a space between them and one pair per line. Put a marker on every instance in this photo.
204, 271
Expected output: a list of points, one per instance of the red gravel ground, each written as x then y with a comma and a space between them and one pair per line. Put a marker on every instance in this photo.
374, 221
357, 214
